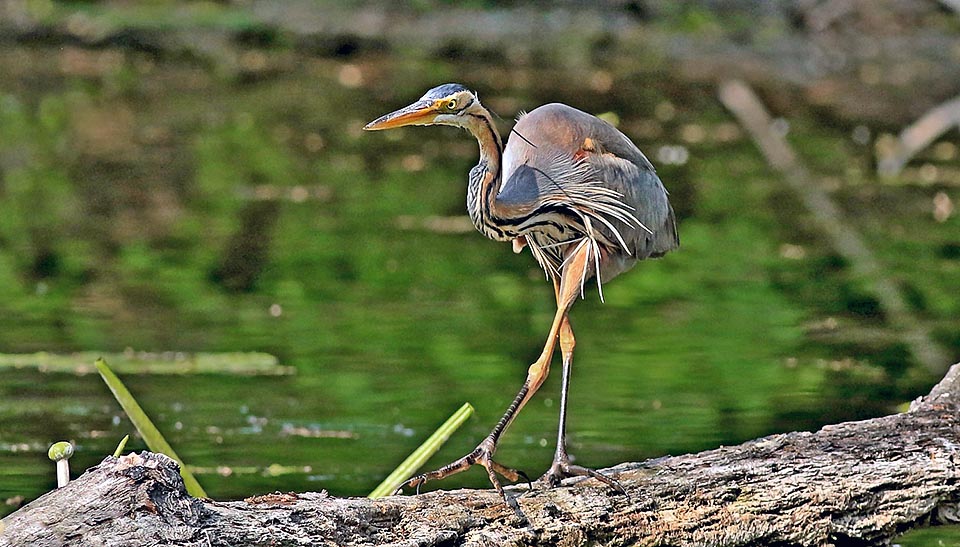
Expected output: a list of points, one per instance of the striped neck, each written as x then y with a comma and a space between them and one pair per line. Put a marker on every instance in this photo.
485, 179
482, 127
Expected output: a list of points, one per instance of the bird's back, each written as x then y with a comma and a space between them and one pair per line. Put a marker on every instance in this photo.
558, 154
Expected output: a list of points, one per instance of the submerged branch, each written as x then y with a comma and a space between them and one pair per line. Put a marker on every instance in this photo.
857, 483
740, 99
145, 362
921, 134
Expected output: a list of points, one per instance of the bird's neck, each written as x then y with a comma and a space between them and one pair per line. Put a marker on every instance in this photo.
485, 178
491, 146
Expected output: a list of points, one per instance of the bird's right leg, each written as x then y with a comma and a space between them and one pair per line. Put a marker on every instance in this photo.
562, 466
576, 267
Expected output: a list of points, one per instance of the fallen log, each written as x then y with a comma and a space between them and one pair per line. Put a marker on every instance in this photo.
856, 483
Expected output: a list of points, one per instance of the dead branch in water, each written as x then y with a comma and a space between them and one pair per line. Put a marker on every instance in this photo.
844, 237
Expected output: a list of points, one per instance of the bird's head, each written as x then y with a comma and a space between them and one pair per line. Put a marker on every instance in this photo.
446, 104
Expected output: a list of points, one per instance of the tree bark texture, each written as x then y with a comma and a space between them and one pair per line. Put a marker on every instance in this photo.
856, 483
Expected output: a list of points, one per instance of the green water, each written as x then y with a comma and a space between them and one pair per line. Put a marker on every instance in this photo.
130, 221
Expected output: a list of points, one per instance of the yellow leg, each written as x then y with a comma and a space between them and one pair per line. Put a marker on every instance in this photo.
561, 467
579, 263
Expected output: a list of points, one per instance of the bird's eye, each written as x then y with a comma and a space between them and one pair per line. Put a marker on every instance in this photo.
451, 104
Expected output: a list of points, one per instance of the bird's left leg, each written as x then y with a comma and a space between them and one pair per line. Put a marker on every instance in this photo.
562, 467
575, 270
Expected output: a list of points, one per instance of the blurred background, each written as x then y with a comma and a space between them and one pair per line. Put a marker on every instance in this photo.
193, 178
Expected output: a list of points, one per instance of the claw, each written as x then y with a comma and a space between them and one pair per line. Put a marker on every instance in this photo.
526, 478
414, 482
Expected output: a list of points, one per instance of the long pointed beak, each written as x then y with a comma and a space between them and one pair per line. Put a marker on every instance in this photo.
419, 113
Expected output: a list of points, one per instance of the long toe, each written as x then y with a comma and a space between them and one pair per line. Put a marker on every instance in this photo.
482, 455
452, 468
562, 469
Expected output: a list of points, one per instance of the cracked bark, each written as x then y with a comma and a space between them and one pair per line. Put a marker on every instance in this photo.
855, 483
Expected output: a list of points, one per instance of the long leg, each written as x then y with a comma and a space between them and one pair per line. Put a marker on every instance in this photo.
576, 268
561, 467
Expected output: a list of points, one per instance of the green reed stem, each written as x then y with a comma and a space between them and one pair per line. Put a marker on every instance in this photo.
415, 460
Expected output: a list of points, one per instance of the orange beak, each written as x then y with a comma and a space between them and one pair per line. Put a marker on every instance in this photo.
419, 113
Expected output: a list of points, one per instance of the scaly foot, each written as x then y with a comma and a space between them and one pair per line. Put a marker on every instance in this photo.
482, 455
562, 469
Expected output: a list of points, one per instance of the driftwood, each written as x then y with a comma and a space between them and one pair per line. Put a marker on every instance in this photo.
856, 483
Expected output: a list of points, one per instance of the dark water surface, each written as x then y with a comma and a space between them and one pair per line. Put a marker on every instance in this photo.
152, 203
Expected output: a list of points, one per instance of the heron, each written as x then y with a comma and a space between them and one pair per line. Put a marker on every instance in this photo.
582, 198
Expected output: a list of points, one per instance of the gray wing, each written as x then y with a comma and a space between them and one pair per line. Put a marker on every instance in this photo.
643, 191
564, 155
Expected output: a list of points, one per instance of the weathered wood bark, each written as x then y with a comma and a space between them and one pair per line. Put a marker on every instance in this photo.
856, 483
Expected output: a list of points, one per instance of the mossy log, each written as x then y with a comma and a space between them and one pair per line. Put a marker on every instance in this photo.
856, 483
